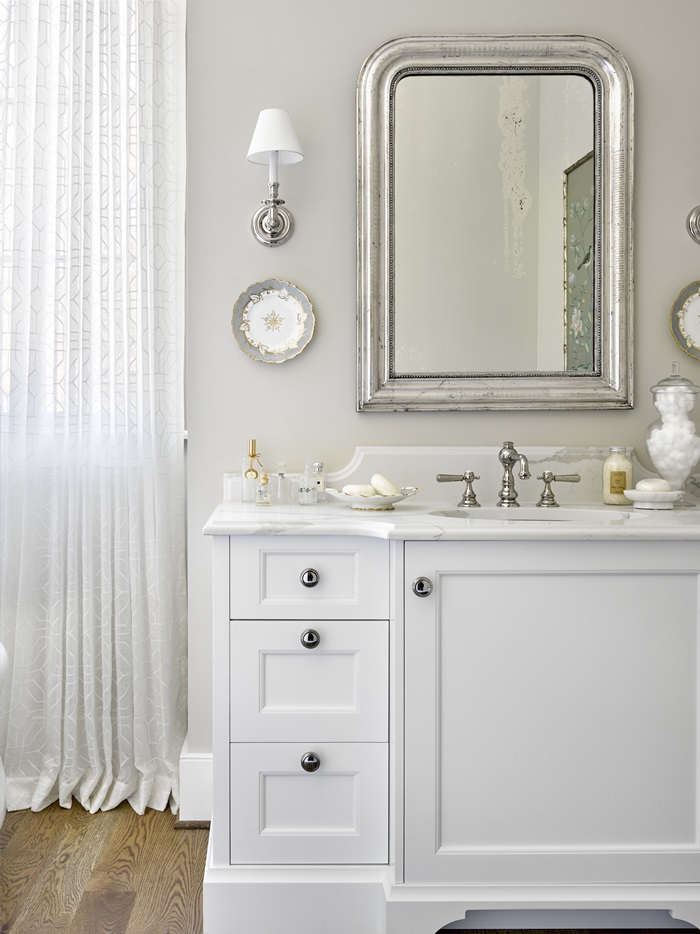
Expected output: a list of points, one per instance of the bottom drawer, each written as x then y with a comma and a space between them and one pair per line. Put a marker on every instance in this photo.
281, 813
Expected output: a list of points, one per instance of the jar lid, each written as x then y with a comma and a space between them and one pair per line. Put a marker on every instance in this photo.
676, 383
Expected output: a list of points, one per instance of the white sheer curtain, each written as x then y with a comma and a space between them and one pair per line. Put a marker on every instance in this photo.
92, 512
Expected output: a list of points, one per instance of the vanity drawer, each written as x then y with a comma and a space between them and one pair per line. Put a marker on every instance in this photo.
309, 578
335, 690
281, 813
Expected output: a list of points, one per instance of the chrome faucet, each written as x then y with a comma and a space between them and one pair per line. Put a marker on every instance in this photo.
508, 457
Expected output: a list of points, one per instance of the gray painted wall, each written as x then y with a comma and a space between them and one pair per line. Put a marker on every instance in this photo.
304, 56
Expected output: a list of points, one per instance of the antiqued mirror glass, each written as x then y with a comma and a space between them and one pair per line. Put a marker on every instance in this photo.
494, 223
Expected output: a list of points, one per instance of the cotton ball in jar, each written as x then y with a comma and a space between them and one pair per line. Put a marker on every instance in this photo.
672, 443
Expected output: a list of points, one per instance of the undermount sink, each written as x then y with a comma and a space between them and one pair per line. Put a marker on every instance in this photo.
585, 516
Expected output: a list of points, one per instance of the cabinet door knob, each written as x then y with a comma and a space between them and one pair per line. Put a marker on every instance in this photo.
309, 577
422, 587
310, 762
310, 638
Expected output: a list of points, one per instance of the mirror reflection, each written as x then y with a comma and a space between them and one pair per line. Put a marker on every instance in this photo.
493, 224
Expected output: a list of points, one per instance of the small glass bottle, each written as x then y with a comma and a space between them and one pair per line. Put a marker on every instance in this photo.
281, 486
617, 477
320, 477
263, 496
308, 491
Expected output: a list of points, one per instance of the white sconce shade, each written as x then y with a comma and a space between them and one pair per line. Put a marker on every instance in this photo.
274, 143
274, 133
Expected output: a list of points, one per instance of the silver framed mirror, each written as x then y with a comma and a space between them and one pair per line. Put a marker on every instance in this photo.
495, 181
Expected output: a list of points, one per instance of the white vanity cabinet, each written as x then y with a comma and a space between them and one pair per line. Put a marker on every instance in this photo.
552, 687
407, 729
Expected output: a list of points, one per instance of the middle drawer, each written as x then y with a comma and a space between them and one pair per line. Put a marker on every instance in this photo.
291, 679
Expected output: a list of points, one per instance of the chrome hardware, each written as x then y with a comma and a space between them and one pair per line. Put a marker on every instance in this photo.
508, 457
468, 497
309, 577
422, 587
547, 497
310, 762
310, 638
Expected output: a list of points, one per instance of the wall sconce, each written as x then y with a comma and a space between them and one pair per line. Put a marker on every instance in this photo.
275, 143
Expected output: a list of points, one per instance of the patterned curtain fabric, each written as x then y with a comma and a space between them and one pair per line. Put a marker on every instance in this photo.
92, 495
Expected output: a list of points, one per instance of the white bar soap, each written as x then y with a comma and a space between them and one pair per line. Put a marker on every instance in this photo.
653, 485
358, 489
383, 486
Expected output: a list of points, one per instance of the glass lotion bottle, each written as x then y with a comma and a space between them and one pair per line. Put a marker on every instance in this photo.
617, 477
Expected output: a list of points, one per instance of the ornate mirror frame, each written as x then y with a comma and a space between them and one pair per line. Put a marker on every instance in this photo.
610, 386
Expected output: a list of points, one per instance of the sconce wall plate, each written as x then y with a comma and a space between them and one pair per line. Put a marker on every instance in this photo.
693, 224
272, 225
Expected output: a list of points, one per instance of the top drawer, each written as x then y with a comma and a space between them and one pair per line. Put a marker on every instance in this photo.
273, 577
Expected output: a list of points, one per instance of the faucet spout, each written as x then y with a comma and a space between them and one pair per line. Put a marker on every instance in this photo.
508, 457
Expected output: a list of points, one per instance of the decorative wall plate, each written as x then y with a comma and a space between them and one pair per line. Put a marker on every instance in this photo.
685, 320
272, 321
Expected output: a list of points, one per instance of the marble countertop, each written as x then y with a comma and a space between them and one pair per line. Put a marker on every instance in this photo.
417, 521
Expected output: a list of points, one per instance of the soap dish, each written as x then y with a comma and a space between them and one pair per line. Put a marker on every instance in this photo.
377, 502
648, 499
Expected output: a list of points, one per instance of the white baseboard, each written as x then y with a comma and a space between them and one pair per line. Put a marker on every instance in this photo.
195, 786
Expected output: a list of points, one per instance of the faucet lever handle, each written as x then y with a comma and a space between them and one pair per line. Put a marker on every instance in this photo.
468, 477
547, 497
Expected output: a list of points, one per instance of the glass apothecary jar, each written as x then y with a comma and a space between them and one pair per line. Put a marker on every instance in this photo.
673, 445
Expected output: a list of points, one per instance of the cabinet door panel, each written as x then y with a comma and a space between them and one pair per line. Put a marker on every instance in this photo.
557, 695
336, 692
282, 814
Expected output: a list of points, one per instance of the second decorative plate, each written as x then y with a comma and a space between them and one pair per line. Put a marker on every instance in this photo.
685, 320
272, 321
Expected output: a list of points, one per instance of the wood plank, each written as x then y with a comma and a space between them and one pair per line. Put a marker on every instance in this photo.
170, 897
103, 912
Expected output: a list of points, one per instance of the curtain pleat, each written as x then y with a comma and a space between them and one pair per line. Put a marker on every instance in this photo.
92, 489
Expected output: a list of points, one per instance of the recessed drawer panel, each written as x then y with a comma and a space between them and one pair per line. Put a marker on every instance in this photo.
290, 680
309, 578
281, 813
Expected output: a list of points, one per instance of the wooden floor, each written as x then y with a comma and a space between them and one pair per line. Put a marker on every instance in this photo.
64, 871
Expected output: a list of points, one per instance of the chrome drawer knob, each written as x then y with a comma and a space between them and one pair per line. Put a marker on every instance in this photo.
309, 577
310, 638
422, 587
310, 762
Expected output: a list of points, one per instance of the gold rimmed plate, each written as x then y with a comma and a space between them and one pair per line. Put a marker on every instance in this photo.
685, 320
272, 321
